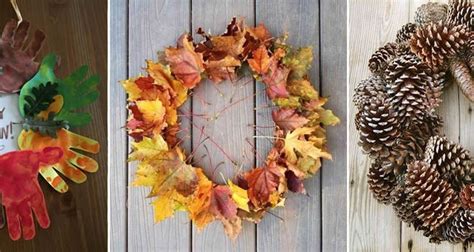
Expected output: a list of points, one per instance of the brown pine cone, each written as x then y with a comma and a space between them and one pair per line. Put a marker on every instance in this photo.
431, 13
434, 43
460, 227
433, 199
463, 76
450, 160
460, 12
380, 59
401, 205
408, 80
378, 127
371, 87
467, 197
381, 182
405, 33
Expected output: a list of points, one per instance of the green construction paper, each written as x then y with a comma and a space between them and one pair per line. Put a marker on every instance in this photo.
77, 91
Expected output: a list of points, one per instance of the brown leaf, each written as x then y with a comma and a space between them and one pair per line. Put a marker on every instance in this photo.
223, 69
222, 203
186, 64
288, 119
260, 61
262, 182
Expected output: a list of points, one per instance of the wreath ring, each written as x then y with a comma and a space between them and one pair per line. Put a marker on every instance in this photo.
300, 139
425, 177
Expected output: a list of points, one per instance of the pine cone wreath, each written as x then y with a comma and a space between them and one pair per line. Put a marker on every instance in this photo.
405, 33
467, 197
408, 81
378, 127
460, 227
434, 43
380, 59
460, 12
381, 182
431, 13
450, 160
372, 87
434, 201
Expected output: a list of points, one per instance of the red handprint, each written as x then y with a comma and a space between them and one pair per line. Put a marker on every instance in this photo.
21, 192
17, 64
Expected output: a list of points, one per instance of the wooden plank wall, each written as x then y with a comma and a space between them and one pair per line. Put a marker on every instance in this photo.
373, 226
139, 30
76, 30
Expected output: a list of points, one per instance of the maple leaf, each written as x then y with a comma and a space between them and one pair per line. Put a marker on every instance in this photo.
262, 182
153, 112
232, 227
148, 148
223, 69
199, 206
166, 205
275, 80
239, 196
133, 91
186, 64
292, 102
303, 147
260, 61
228, 45
299, 62
321, 115
288, 119
222, 204
302, 88
162, 77
309, 166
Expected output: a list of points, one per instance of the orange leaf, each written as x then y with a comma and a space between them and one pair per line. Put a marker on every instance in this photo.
262, 182
260, 61
223, 69
186, 64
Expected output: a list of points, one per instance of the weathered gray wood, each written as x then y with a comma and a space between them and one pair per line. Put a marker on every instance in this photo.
228, 129
153, 25
300, 229
333, 85
118, 181
372, 23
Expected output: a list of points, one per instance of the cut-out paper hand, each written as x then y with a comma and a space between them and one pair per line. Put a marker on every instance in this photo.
17, 61
21, 192
71, 163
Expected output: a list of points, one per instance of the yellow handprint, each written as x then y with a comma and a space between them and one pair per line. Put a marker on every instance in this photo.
72, 162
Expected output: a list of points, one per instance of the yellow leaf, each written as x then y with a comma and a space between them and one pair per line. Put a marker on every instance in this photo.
199, 207
163, 208
146, 175
239, 196
148, 147
303, 147
328, 118
153, 111
133, 91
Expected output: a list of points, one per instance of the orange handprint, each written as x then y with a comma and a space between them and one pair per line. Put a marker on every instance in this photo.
71, 163
20, 190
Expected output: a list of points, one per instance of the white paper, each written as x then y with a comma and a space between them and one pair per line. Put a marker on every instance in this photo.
10, 122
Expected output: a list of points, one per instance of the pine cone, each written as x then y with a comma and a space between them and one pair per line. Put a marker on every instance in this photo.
381, 182
467, 197
401, 205
460, 12
434, 43
430, 13
378, 126
463, 76
460, 227
371, 87
379, 60
434, 201
405, 33
408, 80
450, 160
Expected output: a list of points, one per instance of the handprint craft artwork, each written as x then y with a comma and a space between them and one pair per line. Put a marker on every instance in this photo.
37, 110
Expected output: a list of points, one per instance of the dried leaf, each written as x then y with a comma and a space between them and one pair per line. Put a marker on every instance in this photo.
262, 182
222, 204
239, 196
299, 62
148, 148
223, 69
260, 61
288, 119
199, 207
303, 147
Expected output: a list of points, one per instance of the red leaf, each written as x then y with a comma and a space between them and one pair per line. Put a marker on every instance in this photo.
222, 203
294, 183
275, 80
288, 119
262, 182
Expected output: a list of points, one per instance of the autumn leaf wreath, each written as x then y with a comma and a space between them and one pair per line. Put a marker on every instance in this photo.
300, 139
42, 107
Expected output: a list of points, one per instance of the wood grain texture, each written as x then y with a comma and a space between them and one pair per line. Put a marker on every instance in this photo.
155, 25
300, 227
77, 32
118, 114
368, 218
